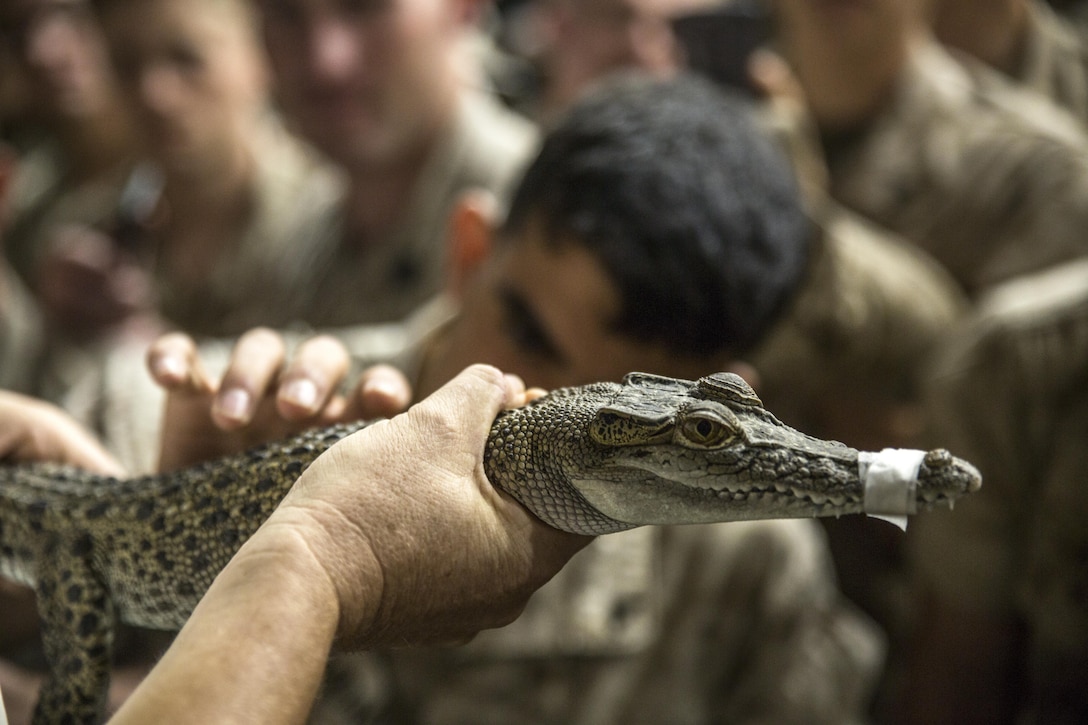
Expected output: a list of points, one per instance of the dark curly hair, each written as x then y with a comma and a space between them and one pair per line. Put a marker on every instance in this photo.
691, 208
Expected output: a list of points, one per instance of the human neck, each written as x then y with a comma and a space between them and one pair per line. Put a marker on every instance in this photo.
210, 190
207, 213
847, 84
993, 32
379, 194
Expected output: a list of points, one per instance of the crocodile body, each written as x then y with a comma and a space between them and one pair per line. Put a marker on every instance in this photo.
593, 460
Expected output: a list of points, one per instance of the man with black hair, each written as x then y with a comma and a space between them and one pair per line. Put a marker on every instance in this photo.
656, 229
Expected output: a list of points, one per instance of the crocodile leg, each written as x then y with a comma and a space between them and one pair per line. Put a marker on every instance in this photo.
78, 622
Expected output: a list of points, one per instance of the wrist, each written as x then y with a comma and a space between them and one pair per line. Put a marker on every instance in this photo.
277, 565
339, 585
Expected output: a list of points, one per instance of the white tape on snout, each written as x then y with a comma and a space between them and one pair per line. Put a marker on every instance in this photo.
890, 478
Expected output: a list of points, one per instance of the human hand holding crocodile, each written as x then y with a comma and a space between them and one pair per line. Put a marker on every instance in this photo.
394, 536
262, 394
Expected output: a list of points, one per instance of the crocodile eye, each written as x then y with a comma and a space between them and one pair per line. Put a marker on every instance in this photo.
706, 431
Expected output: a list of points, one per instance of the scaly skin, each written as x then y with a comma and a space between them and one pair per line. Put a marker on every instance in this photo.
592, 460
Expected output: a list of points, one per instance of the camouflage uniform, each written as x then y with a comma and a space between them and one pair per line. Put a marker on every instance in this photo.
990, 179
388, 278
1011, 394
861, 327
1055, 60
292, 265
731, 623
846, 364
20, 332
296, 199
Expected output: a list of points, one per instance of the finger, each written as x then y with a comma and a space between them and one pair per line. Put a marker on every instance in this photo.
515, 391
83, 452
311, 378
37, 431
175, 364
381, 392
534, 393
255, 364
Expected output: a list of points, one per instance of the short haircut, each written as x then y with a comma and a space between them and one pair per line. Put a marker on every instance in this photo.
690, 207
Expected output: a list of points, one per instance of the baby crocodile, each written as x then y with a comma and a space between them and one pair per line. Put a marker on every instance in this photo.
593, 460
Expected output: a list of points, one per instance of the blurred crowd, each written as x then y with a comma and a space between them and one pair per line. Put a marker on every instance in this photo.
883, 226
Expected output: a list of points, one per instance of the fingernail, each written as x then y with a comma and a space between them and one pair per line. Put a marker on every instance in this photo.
301, 392
169, 366
233, 403
382, 386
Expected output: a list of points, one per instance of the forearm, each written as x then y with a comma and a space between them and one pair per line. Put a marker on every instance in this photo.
254, 649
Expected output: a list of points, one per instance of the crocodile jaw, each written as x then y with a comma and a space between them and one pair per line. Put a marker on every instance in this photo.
638, 496
653, 489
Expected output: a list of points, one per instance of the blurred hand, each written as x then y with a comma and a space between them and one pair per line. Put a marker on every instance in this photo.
89, 286
33, 430
262, 396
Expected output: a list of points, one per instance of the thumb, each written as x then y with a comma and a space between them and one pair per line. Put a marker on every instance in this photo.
473, 398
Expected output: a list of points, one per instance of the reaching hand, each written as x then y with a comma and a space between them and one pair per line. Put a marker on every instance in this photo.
32, 430
90, 286
261, 395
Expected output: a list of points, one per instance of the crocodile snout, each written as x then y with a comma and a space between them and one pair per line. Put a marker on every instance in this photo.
940, 459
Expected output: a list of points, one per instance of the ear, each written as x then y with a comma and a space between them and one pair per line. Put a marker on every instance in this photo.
469, 13
8, 163
747, 371
471, 232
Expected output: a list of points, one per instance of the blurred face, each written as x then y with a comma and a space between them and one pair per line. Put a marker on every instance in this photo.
61, 49
587, 39
193, 73
547, 315
366, 81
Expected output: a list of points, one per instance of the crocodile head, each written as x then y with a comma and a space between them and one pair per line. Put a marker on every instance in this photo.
657, 450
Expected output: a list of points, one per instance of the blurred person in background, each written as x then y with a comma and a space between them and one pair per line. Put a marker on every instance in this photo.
574, 43
1002, 633
87, 141
1026, 40
392, 92
20, 319
990, 179
221, 195
233, 199
81, 145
